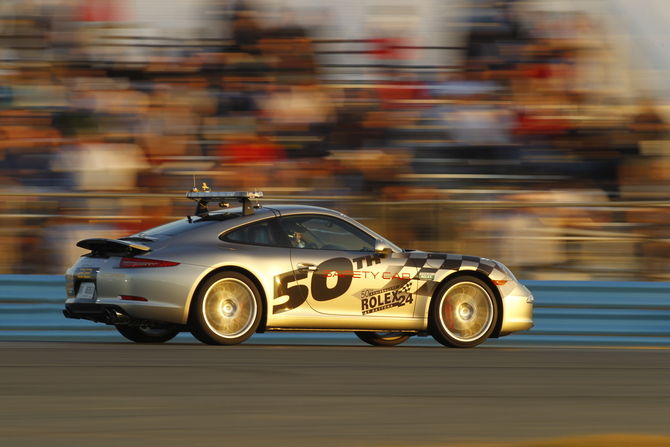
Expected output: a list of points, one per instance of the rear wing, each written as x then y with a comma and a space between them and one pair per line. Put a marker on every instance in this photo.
107, 247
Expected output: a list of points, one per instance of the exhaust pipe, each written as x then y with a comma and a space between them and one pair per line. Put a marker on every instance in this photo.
113, 316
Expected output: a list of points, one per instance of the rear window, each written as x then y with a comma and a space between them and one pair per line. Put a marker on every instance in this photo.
266, 232
256, 234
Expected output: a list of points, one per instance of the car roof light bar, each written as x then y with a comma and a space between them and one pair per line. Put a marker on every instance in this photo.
205, 196
216, 195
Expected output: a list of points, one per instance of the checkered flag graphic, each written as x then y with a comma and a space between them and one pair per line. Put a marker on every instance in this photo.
406, 288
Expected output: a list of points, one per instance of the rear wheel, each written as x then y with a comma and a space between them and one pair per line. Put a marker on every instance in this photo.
142, 334
226, 311
382, 338
463, 312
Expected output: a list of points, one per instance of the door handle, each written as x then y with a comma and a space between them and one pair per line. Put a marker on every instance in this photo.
307, 267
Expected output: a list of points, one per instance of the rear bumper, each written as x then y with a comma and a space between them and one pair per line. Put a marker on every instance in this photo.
89, 311
159, 295
99, 311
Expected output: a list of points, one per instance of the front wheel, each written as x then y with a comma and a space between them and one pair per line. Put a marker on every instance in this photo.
382, 338
140, 334
226, 311
463, 312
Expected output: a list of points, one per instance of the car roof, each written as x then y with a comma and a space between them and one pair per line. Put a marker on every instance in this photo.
232, 218
283, 209
286, 210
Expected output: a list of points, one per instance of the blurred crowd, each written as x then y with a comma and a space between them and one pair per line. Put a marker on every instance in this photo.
530, 149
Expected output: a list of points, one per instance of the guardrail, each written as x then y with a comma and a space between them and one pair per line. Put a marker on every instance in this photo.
31, 308
598, 312
566, 312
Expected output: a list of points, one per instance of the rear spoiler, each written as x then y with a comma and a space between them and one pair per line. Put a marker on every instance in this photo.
112, 247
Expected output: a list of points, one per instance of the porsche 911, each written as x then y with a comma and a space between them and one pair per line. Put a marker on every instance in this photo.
226, 274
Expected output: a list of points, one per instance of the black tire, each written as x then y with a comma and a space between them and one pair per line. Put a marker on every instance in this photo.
463, 312
226, 310
382, 338
141, 334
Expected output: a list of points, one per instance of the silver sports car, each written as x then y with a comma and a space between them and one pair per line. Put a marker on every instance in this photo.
224, 275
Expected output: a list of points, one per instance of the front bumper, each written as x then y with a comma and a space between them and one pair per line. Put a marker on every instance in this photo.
517, 311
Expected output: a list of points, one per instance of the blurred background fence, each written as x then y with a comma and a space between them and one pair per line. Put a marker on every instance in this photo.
539, 240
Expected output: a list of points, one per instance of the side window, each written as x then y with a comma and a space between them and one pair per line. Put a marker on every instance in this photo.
326, 233
257, 234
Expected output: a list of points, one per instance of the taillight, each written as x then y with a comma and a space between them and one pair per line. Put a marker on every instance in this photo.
133, 298
135, 263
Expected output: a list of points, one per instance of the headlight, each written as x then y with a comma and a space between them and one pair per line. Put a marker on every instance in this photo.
507, 271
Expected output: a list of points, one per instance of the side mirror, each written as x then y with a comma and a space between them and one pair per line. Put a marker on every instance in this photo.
382, 249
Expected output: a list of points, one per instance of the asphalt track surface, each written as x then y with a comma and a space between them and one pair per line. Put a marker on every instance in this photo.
188, 394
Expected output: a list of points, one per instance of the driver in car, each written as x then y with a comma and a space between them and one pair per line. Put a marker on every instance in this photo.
297, 240
295, 234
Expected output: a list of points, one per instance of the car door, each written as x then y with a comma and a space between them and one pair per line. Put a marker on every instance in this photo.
339, 273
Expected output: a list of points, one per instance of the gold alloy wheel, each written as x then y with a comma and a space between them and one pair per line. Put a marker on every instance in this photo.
229, 308
466, 311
